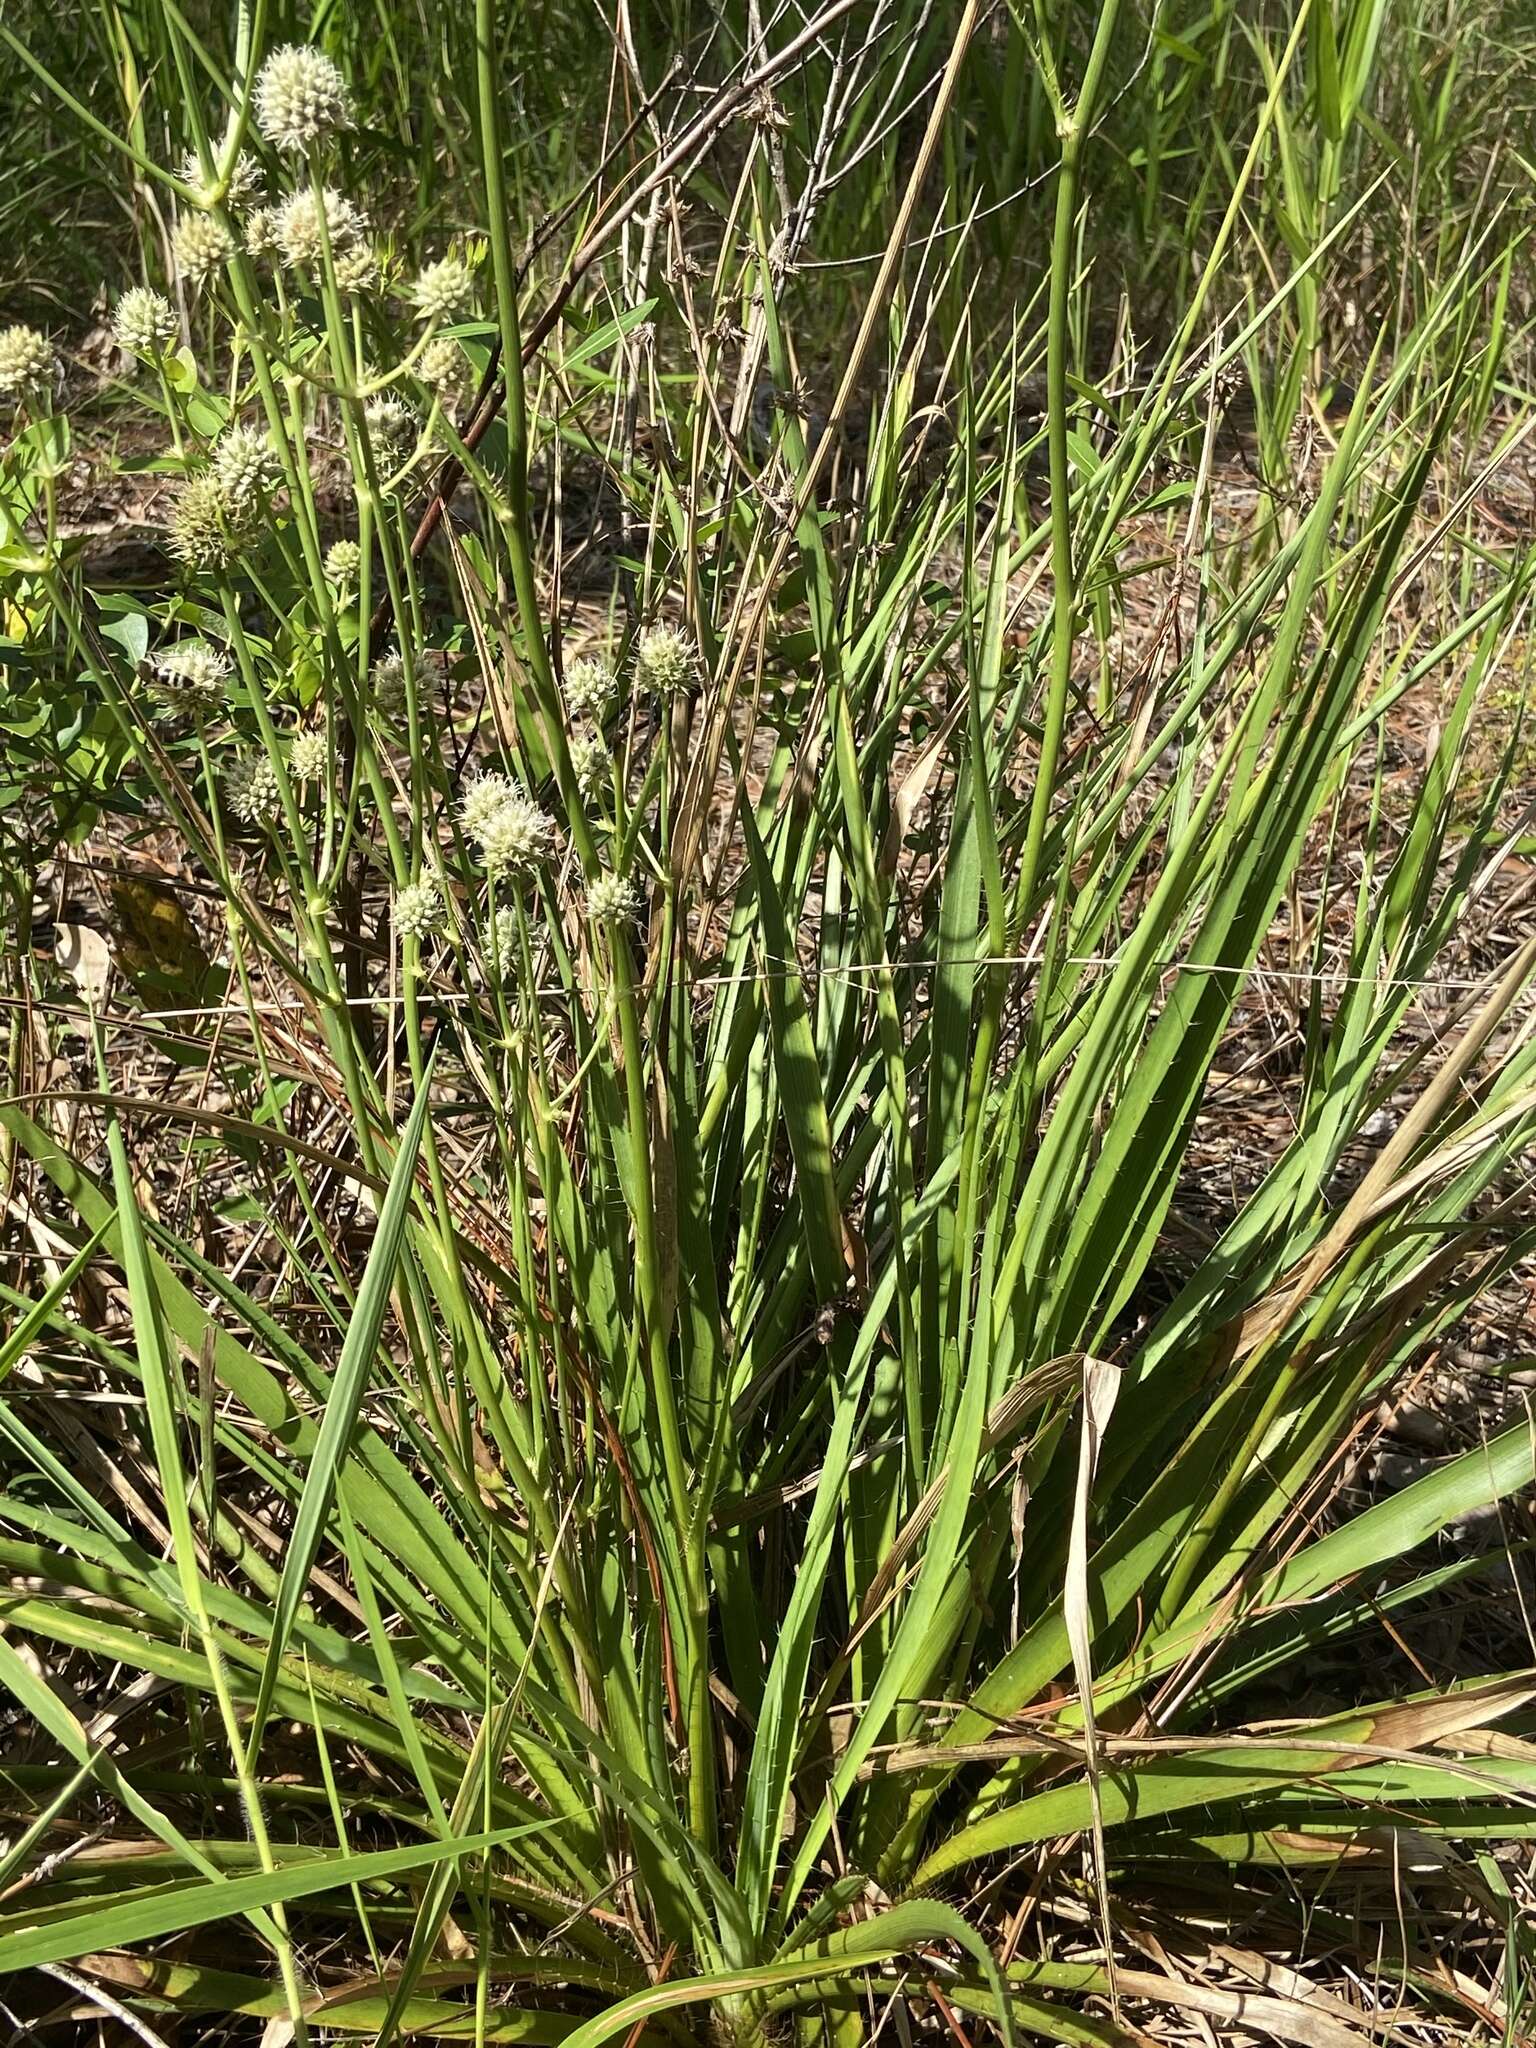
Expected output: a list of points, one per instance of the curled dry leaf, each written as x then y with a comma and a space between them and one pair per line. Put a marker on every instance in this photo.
86, 958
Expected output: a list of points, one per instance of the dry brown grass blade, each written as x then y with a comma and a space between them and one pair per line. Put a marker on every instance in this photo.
1409, 1725
1397, 1734
1375, 1189
912, 787
1101, 1386
1283, 2019
1019, 1402
349, 1170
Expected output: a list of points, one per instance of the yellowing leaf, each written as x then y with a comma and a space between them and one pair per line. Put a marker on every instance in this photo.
155, 936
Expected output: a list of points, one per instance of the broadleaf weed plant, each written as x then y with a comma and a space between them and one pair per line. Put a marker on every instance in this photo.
686, 1447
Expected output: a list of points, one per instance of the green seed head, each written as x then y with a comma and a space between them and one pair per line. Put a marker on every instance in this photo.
513, 834
591, 759
510, 830
392, 427
356, 269
442, 363
308, 756
208, 528
504, 944
387, 679
306, 223
245, 465
263, 231
590, 686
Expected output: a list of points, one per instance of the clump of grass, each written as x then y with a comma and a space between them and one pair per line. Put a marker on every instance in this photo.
744, 1505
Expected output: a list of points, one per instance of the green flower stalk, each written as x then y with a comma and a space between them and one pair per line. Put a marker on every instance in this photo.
241, 188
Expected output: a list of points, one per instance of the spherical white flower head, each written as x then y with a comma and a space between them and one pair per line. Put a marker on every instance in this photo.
26, 361
664, 660
356, 269
590, 758
343, 563
250, 788
143, 322
245, 465
301, 97
590, 686
483, 799
515, 837
507, 826
308, 756
442, 289
392, 427
209, 529
305, 224
263, 231
442, 364
200, 245
243, 184
387, 680
390, 418
504, 941
612, 899
191, 676
418, 910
